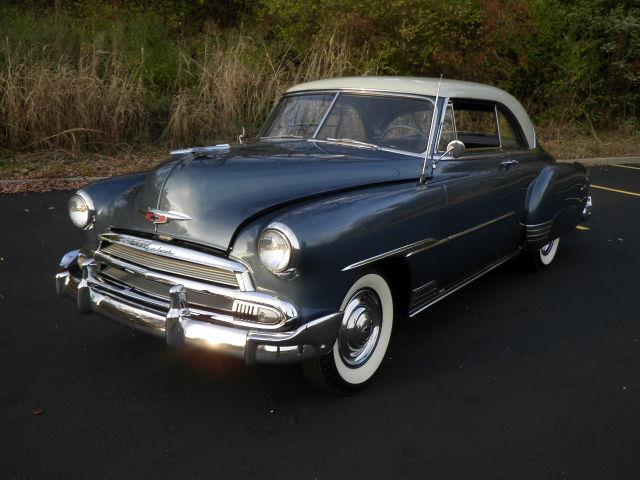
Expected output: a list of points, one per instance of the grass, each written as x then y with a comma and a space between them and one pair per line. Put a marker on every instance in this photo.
569, 142
110, 93
96, 100
78, 104
43, 169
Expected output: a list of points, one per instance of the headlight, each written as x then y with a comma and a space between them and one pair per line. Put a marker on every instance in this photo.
278, 248
81, 210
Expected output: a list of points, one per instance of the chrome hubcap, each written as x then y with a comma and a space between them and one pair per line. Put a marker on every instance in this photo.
360, 328
547, 248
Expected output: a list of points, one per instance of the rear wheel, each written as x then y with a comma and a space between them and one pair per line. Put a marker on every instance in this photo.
540, 259
362, 340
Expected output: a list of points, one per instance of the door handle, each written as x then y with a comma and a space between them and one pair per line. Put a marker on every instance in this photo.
507, 163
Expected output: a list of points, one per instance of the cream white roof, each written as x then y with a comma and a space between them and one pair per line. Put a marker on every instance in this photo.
428, 86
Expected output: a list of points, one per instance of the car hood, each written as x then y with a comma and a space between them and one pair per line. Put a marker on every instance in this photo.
222, 191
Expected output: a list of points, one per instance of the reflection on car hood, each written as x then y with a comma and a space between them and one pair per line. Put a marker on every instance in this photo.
222, 191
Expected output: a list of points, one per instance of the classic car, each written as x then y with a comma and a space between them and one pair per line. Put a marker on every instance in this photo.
365, 200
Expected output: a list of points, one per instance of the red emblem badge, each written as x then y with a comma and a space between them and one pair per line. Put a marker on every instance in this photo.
156, 218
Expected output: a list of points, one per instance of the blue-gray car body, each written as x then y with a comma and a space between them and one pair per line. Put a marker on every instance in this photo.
353, 210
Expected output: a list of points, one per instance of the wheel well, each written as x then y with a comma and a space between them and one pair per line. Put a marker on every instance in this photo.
396, 272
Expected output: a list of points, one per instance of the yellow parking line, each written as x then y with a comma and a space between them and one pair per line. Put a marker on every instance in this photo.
580, 227
615, 190
625, 166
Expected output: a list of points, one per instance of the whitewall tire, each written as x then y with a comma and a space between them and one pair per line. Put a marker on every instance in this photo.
541, 258
362, 341
547, 253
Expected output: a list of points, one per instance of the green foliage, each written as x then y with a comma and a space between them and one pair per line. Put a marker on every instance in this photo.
572, 62
567, 61
405, 36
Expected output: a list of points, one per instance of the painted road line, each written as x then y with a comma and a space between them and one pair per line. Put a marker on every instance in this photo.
580, 227
625, 166
600, 187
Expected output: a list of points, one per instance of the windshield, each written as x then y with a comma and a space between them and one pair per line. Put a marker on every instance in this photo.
361, 120
298, 116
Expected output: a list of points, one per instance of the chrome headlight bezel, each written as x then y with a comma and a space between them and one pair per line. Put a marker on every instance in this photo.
89, 212
286, 266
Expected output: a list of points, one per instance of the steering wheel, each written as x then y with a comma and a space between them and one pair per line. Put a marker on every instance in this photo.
405, 127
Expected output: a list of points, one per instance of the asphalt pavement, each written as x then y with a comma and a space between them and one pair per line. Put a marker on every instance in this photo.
515, 376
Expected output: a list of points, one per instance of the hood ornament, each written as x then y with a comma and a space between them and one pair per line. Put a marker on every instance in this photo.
198, 151
161, 216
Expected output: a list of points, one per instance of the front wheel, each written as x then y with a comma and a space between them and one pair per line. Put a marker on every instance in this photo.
362, 340
540, 259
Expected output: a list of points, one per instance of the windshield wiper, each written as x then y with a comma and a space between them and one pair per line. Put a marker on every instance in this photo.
283, 137
349, 141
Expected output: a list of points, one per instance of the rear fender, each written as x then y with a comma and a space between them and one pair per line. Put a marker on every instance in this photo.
554, 202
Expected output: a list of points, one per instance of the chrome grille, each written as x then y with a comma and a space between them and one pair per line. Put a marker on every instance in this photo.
173, 266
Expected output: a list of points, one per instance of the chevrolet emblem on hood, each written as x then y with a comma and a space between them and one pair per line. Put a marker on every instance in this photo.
160, 216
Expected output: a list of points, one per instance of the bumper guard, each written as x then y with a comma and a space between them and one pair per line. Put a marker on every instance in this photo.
183, 327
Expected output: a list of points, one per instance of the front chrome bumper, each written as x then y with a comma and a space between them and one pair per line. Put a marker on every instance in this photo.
183, 326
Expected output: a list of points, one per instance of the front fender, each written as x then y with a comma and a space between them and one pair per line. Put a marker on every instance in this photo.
336, 231
111, 197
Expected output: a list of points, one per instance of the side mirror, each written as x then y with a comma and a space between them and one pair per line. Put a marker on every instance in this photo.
456, 148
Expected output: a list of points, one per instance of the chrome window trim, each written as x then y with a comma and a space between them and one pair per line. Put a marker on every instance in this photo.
364, 91
499, 149
382, 93
518, 130
495, 113
448, 105
326, 114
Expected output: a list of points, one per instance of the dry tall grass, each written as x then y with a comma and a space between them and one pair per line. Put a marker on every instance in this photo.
72, 104
94, 103
236, 88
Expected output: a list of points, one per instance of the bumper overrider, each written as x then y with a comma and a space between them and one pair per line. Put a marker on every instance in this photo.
77, 278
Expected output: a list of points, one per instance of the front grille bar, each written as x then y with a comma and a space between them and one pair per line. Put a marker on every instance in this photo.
287, 310
175, 260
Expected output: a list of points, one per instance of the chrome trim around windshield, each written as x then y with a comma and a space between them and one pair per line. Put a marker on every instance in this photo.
326, 114
383, 93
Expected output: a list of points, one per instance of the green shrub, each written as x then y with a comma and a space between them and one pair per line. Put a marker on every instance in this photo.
90, 75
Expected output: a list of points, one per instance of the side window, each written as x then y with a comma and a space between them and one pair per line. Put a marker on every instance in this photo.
509, 139
448, 129
476, 125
